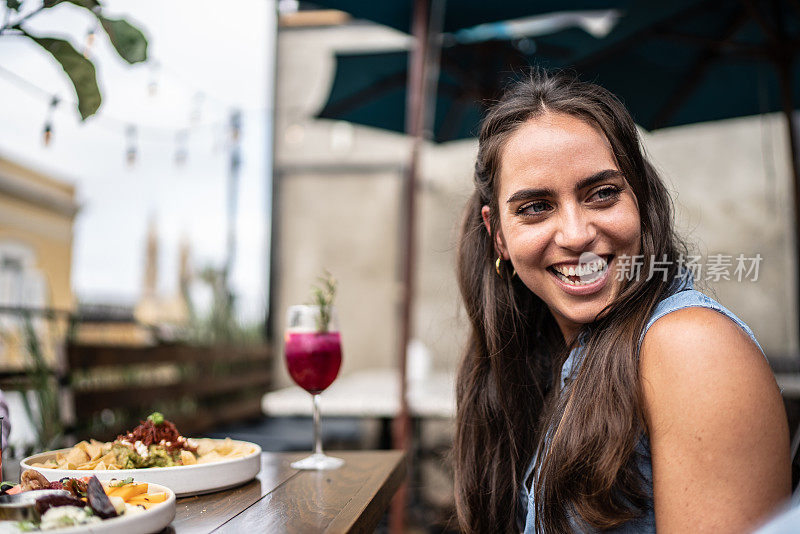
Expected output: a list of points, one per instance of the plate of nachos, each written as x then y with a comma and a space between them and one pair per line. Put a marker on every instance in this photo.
156, 452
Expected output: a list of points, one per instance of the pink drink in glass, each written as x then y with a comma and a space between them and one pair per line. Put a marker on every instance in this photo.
313, 359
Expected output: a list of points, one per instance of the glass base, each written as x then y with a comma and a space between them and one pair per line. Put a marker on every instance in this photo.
318, 462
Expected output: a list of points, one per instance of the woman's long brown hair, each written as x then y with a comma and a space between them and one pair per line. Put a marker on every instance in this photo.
507, 390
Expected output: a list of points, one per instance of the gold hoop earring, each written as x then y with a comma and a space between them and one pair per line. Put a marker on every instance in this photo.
497, 264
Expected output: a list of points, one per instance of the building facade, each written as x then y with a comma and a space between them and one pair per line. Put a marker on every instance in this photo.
37, 214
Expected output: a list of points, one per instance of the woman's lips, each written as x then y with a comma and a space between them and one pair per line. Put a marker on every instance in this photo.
585, 289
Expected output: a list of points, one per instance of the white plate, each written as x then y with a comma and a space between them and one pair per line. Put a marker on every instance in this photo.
182, 479
146, 522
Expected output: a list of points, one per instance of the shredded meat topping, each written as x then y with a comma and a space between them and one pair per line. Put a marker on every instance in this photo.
164, 434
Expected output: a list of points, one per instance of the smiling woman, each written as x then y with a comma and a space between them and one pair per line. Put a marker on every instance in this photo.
589, 400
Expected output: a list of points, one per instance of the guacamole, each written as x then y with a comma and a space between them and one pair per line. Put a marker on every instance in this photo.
156, 456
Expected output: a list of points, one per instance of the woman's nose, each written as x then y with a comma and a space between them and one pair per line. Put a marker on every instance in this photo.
576, 230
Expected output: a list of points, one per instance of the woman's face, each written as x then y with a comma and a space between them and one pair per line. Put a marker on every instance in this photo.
566, 215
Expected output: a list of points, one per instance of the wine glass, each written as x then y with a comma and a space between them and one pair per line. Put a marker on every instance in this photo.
313, 357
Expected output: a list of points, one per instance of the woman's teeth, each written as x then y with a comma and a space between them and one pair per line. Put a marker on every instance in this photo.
583, 274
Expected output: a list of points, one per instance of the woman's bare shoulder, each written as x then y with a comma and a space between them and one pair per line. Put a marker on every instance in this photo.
716, 423
701, 341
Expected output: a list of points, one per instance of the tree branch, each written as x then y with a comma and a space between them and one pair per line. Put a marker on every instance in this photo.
11, 25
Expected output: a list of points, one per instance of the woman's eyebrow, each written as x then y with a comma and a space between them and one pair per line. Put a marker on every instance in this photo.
524, 194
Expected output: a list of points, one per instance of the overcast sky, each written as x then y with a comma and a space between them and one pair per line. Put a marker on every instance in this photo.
215, 48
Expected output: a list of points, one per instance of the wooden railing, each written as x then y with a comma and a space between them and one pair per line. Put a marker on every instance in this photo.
198, 388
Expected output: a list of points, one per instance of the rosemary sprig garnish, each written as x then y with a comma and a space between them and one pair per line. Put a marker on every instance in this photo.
323, 295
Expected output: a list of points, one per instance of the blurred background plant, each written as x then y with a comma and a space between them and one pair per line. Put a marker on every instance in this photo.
41, 402
220, 325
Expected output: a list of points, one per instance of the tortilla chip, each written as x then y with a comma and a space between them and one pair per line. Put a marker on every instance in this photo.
94, 449
224, 448
77, 456
187, 458
204, 446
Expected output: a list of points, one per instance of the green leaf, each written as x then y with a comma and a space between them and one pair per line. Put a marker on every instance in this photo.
88, 4
80, 71
13, 4
127, 39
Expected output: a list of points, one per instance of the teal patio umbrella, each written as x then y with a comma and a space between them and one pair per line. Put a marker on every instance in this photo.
371, 88
459, 14
677, 62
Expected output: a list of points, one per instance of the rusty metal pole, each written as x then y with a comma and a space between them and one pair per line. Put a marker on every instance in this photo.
784, 58
415, 103
791, 123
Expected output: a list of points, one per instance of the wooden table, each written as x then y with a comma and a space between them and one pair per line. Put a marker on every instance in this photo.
352, 498
375, 393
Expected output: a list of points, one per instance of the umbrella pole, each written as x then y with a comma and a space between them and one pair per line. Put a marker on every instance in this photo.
787, 102
401, 431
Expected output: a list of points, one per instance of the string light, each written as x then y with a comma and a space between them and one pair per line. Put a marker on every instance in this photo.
89, 42
47, 132
236, 125
221, 132
130, 153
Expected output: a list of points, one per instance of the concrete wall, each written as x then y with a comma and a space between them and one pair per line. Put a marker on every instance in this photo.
732, 189
339, 199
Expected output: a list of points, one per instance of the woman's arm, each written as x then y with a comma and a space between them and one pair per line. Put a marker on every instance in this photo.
716, 422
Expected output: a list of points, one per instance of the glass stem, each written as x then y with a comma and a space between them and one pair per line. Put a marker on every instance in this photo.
317, 431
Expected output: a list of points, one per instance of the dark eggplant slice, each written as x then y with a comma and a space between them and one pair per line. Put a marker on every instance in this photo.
43, 504
98, 500
22, 506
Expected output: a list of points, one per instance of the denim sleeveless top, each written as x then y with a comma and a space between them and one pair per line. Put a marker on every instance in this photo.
682, 295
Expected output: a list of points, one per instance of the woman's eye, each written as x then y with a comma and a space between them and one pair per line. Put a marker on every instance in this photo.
607, 193
534, 208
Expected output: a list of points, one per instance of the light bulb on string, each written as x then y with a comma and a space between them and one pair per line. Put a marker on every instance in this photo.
130, 152
89, 42
235, 125
47, 134
47, 131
